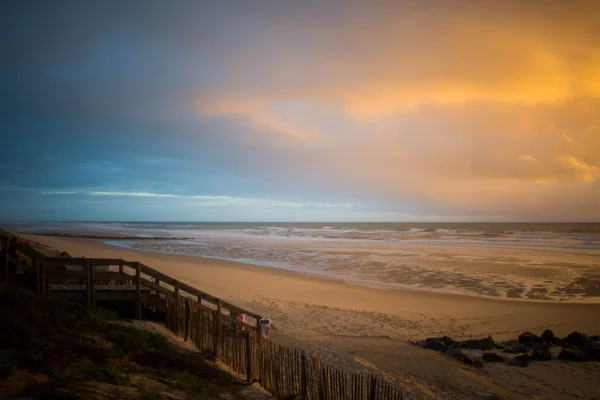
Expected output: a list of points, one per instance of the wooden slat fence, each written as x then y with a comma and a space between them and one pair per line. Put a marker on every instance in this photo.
285, 372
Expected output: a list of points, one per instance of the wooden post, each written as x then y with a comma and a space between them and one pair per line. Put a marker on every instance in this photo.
373, 394
303, 380
88, 288
92, 284
138, 290
176, 308
187, 320
248, 358
120, 281
218, 327
258, 333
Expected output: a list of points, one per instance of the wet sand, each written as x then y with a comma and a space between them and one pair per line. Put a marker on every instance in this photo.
362, 328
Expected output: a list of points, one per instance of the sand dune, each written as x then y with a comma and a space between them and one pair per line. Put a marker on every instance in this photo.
366, 329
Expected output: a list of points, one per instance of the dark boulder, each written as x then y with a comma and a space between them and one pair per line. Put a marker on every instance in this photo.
520, 361
548, 336
444, 339
541, 354
595, 338
559, 342
492, 357
529, 338
573, 355
463, 357
540, 347
592, 351
577, 339
512, 346
434, 344
474, 344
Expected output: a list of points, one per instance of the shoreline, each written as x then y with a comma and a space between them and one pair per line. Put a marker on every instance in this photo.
362, 284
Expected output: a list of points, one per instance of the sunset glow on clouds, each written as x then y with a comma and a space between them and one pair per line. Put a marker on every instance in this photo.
412, 110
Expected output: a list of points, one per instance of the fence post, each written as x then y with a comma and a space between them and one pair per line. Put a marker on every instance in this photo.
218, 327
121, 281
303, 380
373, 394
248, 357
176, 309
138, 290
88, 289
187, 319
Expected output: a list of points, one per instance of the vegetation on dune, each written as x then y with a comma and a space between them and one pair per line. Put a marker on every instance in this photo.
56, 350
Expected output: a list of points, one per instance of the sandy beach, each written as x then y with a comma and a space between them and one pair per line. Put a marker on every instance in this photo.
363, 328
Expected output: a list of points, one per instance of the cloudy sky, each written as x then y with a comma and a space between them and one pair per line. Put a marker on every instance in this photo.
300, 110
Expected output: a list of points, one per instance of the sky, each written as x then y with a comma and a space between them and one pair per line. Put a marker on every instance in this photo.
300, 110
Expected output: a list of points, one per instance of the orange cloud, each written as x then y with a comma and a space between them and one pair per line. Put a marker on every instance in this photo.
449, 106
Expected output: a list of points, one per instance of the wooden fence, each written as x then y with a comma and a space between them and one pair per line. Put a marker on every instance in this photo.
285, 372
211, 324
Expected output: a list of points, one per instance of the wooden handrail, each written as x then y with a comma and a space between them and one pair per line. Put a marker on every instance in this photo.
100, 276
144, 269
82, 260
158, 275
155, 287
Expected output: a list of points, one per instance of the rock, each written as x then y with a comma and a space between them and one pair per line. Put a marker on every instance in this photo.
529, 338
541, 354
434, 344
592, 351
541, 347
520, 361
573, 355
492, 357
559, 342
474, 344
463, 357
577, 339
595, 338
548, 336
438, 344
512, 346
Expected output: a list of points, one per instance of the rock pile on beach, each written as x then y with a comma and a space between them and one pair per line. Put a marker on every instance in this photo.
521, 352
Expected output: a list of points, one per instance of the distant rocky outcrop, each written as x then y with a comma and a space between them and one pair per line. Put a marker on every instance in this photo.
526, 349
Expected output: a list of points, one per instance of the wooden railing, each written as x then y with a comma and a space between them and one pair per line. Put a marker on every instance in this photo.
132, 272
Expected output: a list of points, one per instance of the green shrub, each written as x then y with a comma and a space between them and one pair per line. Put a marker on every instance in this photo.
102, 314
103, 372
151, 394
185, 380
157, 340
135, 341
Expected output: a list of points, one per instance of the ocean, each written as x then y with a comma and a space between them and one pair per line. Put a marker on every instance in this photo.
527, 261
